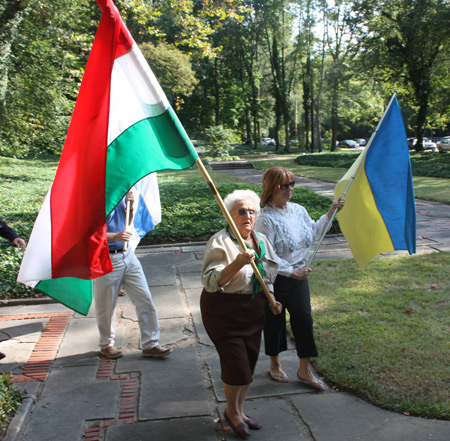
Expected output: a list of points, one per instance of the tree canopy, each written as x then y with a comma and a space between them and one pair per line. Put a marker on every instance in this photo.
304, 72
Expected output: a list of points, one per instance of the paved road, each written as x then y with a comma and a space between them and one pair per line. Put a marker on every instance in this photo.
73, 394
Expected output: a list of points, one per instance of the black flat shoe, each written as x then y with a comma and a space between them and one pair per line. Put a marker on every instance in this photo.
253, 424
241, 429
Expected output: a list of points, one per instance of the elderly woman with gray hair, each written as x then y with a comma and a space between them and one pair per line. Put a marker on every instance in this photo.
232, 302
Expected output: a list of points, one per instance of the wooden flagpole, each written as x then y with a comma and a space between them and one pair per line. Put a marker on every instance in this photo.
127, 221
351, 180
233, 227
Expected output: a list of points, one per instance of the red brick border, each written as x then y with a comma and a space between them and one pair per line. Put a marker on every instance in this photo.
5, 318
127, 405
38, 365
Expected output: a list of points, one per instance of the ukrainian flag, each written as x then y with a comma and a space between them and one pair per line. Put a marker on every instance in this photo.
379, 213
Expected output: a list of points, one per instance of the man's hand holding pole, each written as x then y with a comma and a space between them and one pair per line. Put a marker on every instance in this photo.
128, 214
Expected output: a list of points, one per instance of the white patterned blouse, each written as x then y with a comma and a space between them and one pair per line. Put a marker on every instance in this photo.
291, 232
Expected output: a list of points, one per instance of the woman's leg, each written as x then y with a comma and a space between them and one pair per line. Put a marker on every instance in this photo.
276, 371
303, 371
251, 422
233, 396
241, 400
275, 337
306, 375
299, 307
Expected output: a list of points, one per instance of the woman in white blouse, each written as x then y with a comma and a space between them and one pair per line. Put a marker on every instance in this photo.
233, 305
291, 231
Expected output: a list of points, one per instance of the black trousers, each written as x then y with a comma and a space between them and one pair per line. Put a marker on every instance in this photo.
294, 296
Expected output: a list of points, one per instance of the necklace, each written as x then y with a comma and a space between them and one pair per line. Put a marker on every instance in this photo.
283, 211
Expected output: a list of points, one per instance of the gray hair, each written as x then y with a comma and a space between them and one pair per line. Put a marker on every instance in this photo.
241, 195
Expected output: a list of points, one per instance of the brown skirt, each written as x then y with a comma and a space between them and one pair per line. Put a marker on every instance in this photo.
234, 323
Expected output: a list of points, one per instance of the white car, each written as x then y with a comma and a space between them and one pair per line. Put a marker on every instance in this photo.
427, 144
444, 144
267, 141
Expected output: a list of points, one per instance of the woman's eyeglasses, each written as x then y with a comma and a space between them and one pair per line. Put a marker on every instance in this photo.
244, 212
287, 185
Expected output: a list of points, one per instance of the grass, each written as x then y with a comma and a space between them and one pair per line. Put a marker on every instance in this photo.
24, 186
382, 332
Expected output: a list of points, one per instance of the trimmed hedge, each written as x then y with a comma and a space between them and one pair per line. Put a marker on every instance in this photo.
435, 165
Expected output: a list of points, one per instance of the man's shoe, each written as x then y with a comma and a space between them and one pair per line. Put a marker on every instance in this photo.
157, 352
111, 352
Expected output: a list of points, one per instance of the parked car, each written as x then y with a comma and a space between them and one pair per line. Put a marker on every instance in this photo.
444, 144
427, 144
348, 143
361, 141
267, 141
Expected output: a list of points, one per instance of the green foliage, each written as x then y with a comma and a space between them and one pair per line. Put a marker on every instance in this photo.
219, 141
435, 165
239, 64
190, 212
432, 165
24, 185
171, 67
11, 258
405, 45
49, 56
10, 399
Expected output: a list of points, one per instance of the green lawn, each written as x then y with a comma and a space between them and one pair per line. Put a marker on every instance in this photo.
383, 332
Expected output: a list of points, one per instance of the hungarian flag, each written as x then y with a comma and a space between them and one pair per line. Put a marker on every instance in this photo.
122, 129
380, 213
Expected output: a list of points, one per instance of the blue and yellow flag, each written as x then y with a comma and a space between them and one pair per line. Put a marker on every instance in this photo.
379, 213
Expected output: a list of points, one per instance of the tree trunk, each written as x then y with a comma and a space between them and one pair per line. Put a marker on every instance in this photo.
317, 142
216, 93
10, 19
286, 133
310, 75
248, 125
256, 132
334, 119
421, 121
306, 111
311, 120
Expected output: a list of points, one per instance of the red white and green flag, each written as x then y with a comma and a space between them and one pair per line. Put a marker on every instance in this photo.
122, 130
